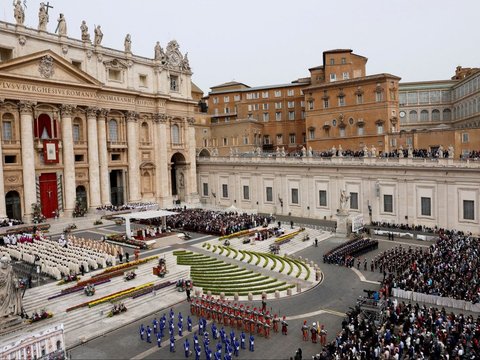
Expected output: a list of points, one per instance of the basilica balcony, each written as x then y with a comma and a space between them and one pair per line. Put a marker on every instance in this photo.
178, 146
80, 143
11, 143
38, 143
112, 145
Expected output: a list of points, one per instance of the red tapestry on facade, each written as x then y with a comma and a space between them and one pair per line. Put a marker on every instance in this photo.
50, 151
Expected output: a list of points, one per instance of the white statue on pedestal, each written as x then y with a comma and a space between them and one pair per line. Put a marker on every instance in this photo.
10, 294
343, 201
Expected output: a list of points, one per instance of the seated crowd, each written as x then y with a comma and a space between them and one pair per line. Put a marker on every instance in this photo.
63, 257
449, 268
407, 332
139, 206
215, 222
345, 254
10, 222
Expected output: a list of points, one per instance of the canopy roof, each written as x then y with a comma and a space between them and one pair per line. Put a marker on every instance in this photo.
144, 215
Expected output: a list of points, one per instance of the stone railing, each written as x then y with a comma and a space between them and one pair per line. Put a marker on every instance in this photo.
345, 161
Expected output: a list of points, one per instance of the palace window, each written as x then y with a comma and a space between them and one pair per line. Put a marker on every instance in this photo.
266, 139
278, 105
359, 99
265, 106
291, 104
341, 101
469, 209
224, 190
278, 116
226, 99
379, 129
424, 115
269, 194
205, 189
142, 79
294, 196
76, 132
413, 116
113, 130
426, 206
342, 132
447, 114
311, 134
465, 138
332, 61
215, 100
279, 139
379, 96
246, 192
174, 85
7, 130
388, 203
114, 75
291, 92
292, 139
322, 197
333, 77
346, 76
326, 104
354, 200
310, 104
291, 115
278, 93
236, 98
266, 117
265, 94
175, 134
360, 131
435, 115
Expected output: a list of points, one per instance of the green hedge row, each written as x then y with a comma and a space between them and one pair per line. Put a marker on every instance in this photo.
237, 272
231, 278
234, 284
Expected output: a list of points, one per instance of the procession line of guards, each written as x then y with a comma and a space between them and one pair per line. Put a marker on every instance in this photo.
239, 316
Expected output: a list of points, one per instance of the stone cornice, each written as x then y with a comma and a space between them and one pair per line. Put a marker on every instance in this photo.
92, 112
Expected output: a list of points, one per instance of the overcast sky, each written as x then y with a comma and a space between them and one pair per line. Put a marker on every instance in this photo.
266, 42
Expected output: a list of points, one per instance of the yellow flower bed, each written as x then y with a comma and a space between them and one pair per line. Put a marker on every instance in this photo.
118, 294
288, 236
238, 233
127, 265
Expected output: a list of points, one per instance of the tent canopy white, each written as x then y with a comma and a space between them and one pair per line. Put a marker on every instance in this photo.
143, 215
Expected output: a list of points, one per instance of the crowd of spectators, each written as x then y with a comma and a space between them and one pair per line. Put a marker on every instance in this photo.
139, 206
474, 154
215, 222
10, 222
448, 268
345, 254
408, 227
407, 332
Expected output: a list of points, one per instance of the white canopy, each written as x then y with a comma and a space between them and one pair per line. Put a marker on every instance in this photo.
143, 215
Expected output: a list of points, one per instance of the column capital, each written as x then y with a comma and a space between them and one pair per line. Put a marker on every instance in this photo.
25, 107
131, 116
92, 112
67, 109
191, 120
103, 113
160, 118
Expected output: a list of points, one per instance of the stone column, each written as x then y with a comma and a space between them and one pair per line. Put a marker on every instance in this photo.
28, 158
163, 194
133, 170
68, 159
3, 209
103, 157
93, 165
192, 194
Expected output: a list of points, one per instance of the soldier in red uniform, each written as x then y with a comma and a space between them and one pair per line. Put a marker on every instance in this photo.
276, 320
305, 331
284, 326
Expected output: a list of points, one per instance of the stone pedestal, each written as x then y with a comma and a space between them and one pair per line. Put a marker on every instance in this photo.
342, 218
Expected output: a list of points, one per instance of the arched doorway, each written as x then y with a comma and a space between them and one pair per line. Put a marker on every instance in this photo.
178, 176
204, 153
13, 205
81, 195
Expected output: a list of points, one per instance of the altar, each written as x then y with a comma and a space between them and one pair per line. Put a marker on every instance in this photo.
143, 215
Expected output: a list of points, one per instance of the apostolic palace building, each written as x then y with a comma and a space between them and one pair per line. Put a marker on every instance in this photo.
82, 122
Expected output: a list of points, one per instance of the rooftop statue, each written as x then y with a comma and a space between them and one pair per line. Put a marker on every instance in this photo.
98, 35
19, 12
128, 43
10, 294
85, 33
42, 17
61, 26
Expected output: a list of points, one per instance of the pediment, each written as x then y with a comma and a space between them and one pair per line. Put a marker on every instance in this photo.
115, 64
46, 66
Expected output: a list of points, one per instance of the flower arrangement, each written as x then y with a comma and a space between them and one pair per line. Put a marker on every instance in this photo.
77, 288
37, 216
236, 234
284, 238
68, 278
117, 295
117, 309
126, 265
42, 316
